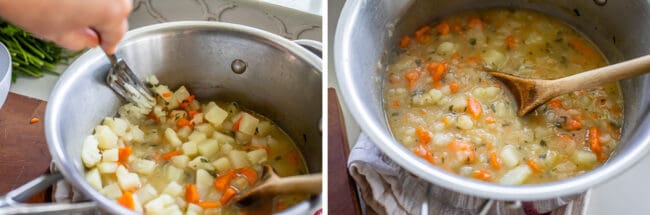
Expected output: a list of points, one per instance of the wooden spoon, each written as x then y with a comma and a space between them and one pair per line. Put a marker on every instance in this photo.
275, 185
531, 93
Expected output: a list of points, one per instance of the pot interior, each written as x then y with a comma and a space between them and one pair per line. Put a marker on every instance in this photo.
367, 36
281, 82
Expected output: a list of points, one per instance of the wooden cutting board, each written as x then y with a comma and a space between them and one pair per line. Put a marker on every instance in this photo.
23, 150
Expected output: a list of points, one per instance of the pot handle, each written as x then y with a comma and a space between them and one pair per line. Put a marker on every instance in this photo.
11, 202
312, 45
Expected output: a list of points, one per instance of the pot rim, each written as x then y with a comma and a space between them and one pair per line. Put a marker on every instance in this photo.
52, 113
384, 140
5, 73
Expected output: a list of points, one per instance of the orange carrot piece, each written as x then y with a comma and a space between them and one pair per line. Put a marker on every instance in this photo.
191, 194
440, 71
183, 105
191, 98
227, 195
235, 126
126, 200
412, 77
34, 120
423, 152
475, 22
406, 40
555, 103
594, 140
494, 161
511, 42
422, 31
533, 166
423, 136
192, 113
453, 87
169, 155
443, 28
463, 150
572, 124
167, 94
483, 174
490, 120
182, 122
208, 204
474, 107
455, 56
223, 181
124, 153
396, 103
294, 157
581, 47
250, 174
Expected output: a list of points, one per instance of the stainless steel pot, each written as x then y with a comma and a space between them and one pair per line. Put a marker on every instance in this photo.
282, 81
368, 31
5, 73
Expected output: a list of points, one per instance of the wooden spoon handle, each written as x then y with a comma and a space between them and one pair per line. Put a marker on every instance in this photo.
603, 75
308, 184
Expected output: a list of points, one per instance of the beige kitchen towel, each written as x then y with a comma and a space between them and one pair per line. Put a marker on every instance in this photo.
386, 188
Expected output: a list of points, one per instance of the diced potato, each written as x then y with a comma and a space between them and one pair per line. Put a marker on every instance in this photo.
446, 48
517, 175
263, 128
260, 141
442, 139
184, 132
110, 155
585, 158
464, 122
162, 90
143, 166
127, 180
226, 148
146, 193
197, 137
239, 159
151, 79
222, 164
90, 154
510, 156
257, 156
493, 59
200, 162
222, 138
107, 167
190, 149
197, 119
208, 147
203, 182
215, 115
118, 125
209, 106
205, 128
173, 189
137, 134
180, 161
107, 139
172, 138
112, 191
242, 138
174, 174
431, 97
158, 205
181, 94
458, 104
94, 179
173, 209
248, 124
193, 209
177, 114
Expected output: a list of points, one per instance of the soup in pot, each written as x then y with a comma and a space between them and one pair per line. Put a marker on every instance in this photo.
442, 105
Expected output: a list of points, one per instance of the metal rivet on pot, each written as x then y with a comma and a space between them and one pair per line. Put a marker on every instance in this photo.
238, 66
600, 2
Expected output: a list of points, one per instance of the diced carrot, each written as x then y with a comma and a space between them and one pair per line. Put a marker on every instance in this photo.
167, 94
572, 124
423, 112
533, 166
183, 105
511, 42
250, 174
482, 174
208, 204
294, 157
581, 47
153, 116
235, 126
474, 107
223, 181
190, 99
169, 155
594, 140
192, 113
472, 60
439, 71
126, 200
424, 39
455, 56
34, 120
443, 28
423, 136
423, 152
594, 115
494, 161
191, 194
227, 195
490, 120
422, 31
404, 42
453, 87
566, 137
475, 22
555, 103
464, 150
395, 103
124, 153
458, 29
182, 122
489, 146
412, 77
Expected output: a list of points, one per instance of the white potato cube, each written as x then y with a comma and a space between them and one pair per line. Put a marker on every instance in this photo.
493, 59
510, 156
107, 167
118, 125
431, 97
142, 166
208, 147
205, 128
585, 158
197, 137
215, 115
146, 193
458, 104
222, 164
172, 138
151, 79
464, 122
248, 124
190, 149
110, 155
174, 174
203, 182
94, 179
442, 139
106, 137
516, 176
180, 161
90, 154
112, 191
184, 132
163, 90
200, 162
197, 119
127, 180
193, 209
263, 128
222, 138
173, 189
257, 156
136, 134
226, 148
239, 159
158, 205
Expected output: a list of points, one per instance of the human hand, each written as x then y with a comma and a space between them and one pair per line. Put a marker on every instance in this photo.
72, 24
